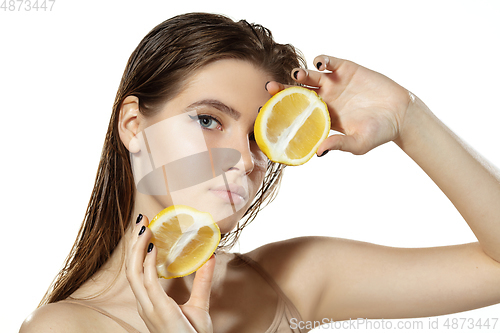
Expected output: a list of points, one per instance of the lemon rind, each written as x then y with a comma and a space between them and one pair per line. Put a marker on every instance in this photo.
263, 116
183, 208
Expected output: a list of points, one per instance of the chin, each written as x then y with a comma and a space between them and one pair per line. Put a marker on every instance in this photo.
229, 223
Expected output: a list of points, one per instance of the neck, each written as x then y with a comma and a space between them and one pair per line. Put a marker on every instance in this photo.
110, 284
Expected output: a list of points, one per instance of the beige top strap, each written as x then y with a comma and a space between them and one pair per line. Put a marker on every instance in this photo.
129, 328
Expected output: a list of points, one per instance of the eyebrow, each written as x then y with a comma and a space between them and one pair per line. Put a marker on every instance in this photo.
216, 105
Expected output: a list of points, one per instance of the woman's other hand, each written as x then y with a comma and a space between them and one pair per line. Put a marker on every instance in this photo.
366, 106
160, 312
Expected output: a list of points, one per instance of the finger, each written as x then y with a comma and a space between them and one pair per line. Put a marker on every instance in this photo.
135, 262
274, 87
132, 257
306, 77
152, 284
202, 284
324, 62
348, 143
138, 220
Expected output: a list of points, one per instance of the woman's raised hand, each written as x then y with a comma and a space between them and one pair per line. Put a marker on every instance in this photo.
160, 312
366, 106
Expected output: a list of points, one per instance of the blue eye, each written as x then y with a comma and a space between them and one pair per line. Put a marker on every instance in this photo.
206, 121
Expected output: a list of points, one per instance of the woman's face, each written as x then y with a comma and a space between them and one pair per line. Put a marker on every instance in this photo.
199, 149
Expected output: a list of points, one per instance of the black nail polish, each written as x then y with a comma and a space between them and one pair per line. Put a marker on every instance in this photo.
150, 247
259, 109
318, 65
266, 85
324, 153
139, 219
143, 228
295, 74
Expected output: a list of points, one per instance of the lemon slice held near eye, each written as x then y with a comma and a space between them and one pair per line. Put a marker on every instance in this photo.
185, 239
291, 126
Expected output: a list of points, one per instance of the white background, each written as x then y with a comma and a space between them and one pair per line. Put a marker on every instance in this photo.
59, 72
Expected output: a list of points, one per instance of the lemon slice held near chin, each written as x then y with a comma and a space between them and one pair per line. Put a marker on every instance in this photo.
185, 239
291, 126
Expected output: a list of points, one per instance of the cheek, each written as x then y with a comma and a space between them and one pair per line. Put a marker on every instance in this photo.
258, 173
260, 160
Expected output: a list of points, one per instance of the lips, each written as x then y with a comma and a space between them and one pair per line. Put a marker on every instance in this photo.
236, 193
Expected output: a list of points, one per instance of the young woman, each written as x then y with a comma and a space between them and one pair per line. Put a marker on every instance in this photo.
205, 77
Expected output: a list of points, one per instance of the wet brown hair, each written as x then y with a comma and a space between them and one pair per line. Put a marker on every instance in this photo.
155, 73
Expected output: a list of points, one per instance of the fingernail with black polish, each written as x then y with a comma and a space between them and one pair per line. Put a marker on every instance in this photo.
266, 85
150, 247
324, 153
318, 65
295, 74
259, 109
143, 228
139, 219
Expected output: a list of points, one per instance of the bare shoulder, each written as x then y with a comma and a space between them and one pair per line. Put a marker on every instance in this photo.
57, 317
337, 278
295, 254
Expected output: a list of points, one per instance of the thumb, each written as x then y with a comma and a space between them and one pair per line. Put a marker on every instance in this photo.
348, 143
202, 284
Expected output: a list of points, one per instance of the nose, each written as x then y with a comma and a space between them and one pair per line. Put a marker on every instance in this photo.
247, 156
231, 159
236, 156
246, 163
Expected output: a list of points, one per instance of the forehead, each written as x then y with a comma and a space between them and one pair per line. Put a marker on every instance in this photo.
236, 83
